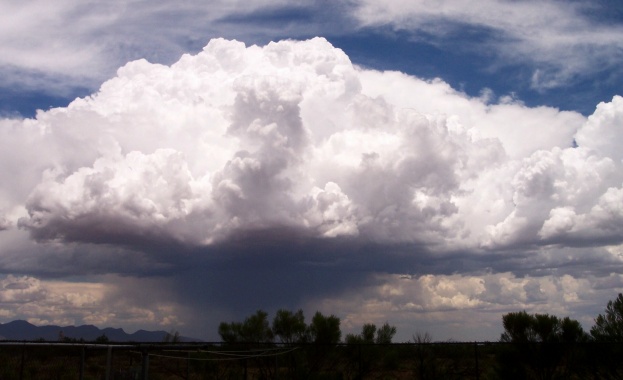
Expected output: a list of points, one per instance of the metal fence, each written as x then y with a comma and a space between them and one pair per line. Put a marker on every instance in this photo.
249, 361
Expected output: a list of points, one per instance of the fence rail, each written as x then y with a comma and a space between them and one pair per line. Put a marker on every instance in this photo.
250, 361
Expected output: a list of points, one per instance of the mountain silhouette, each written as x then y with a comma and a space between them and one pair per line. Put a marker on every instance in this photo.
23, 330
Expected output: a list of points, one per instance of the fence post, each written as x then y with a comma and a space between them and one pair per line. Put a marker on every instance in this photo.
277, 367
360, 375
21, 366
82, 356
188, 366
421, 354
476, 357
108, 361
145, 365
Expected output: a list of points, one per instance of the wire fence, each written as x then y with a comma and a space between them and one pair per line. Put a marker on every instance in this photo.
250, 361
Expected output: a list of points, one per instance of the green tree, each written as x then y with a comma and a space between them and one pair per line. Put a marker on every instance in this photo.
102, 339
325, 333
366, 336
325, 330
572, 331
517, 327
385, 334
609, 326
537, 351
364, 354
290, 327
367, 332
608, 331
371, 334
547, 328
521, 327
230, 332
255, 328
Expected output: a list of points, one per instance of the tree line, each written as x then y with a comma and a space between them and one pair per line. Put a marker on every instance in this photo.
543, 346
519, 327
532, 346
290, 327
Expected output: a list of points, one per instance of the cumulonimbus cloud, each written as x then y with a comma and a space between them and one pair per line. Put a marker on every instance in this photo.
415, 198
293, 135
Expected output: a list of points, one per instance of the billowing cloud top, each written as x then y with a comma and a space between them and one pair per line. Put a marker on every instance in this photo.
292, 136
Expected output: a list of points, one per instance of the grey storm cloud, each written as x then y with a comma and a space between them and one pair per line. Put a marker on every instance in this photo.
4, 223
247, 176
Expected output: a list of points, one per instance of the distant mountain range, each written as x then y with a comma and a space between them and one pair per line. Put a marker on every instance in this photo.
23, 330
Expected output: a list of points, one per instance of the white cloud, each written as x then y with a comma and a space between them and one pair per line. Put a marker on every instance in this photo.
549, 187
463, 307
602, 221
291, 134
103, 303
602, 128
510, 123
555, 37
47, 301
49, 40
145, 194
58, 46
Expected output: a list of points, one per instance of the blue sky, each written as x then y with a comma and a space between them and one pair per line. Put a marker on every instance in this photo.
467, 55
434, 164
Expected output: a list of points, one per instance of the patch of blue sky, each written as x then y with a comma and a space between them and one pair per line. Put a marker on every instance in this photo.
17, 103
467, 56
